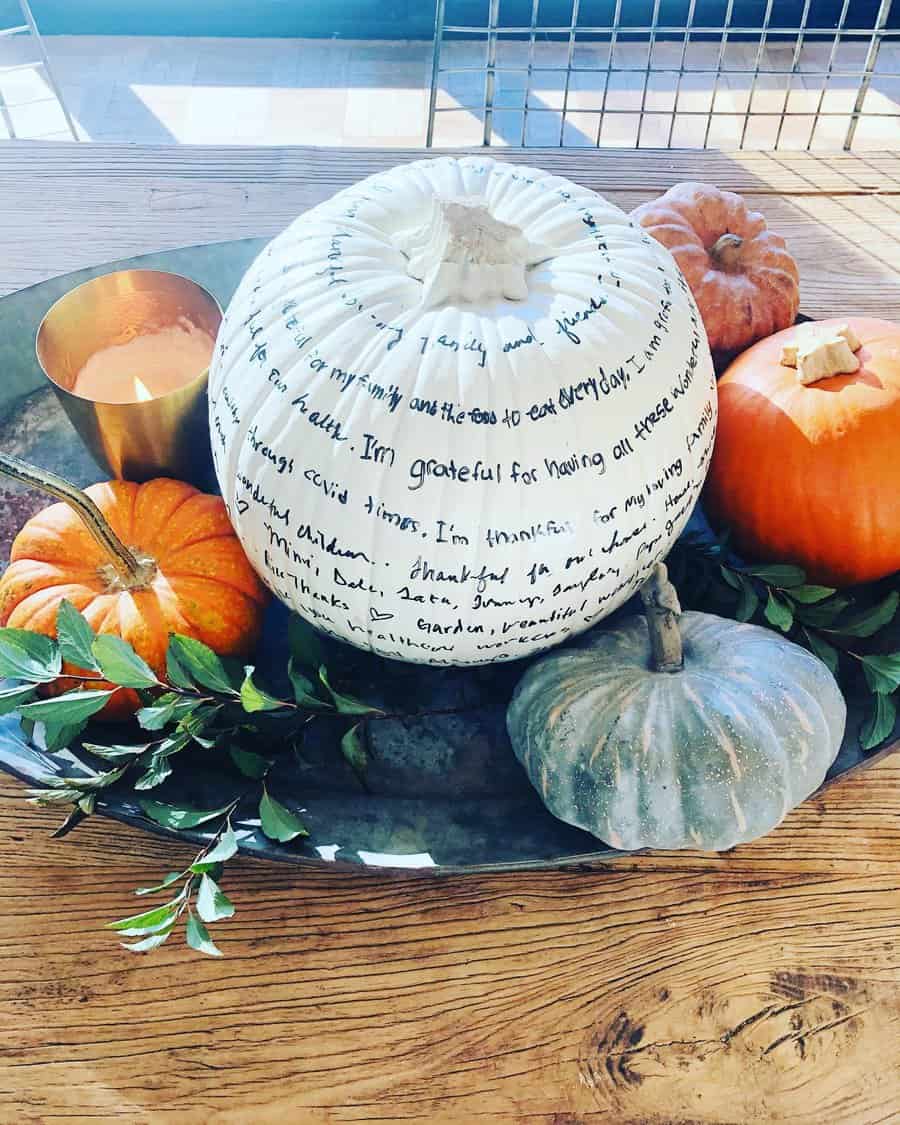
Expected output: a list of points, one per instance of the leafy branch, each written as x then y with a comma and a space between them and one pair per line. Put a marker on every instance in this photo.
828, 622
205, 702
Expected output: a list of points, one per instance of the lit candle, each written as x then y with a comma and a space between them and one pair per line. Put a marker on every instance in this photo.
147, 366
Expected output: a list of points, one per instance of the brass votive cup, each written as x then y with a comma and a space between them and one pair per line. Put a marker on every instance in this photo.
167, 435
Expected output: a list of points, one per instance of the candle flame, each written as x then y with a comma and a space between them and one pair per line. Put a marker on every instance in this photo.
142, 392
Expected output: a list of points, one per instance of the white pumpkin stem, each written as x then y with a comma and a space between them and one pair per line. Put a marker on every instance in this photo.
662, 609
130, 571
462, 253
726, 249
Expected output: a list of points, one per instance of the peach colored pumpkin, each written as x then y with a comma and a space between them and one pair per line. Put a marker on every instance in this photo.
195, 576
811, 474
744, 281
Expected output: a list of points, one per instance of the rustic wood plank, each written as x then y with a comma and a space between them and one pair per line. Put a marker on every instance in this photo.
767, 990
155, 198
672, 989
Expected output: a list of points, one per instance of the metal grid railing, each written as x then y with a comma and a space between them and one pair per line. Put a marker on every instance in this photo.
752, 84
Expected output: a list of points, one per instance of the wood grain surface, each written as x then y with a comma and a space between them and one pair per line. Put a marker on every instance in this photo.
674, 989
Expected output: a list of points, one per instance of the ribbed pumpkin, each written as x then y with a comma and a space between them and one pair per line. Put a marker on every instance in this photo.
744, 281
811, 474
457, 408
628, 738
192, 576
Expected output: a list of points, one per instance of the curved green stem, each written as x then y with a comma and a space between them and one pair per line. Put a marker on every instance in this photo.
128, 567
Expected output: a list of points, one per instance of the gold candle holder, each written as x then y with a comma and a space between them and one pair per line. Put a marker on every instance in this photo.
165, 435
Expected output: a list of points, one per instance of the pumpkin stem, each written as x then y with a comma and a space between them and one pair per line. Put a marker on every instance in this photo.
130, 570
462, 253
726, 249
662, 608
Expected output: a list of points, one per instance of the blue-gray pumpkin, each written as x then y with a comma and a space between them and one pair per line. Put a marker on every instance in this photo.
676, 730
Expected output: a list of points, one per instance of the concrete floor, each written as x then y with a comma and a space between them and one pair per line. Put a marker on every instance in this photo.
332, 92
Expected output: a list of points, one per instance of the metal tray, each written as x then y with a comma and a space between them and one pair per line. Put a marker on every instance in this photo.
445, 792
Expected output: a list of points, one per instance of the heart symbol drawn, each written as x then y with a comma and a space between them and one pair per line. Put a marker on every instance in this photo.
376, 616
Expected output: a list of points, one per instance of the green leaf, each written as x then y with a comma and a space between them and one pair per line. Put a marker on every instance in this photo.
305, 690
47, 797
172, 743
198, 937
278, 822
75, 637
176, 672
120, 664
249, 763
869, 621
195, 723
880, 722
159, 714
254, 698
116, 753
171, 878
354, 750
171, 816
72, 707
305, 644
89, 782
12, 698
75, 817
147, 917
158, 769
58, 736
882, 672
148, 943
748, 603
827, 653
810, 594
345, 704
823, 613
778, 614
212, 903
28, 656
137, 931
200, 663
224, 850
778, 574
730, 577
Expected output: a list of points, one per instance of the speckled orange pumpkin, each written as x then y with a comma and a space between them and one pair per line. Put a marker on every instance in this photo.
744, 281
193, 577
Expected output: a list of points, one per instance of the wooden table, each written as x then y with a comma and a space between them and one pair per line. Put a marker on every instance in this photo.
758, 986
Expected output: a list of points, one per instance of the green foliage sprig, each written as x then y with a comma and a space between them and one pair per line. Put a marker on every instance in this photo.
828, 622
202, 701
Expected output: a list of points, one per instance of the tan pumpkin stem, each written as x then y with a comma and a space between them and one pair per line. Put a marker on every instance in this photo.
726, 249
130, 570
662, 609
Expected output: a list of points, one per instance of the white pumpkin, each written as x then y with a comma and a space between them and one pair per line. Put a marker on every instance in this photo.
460, 410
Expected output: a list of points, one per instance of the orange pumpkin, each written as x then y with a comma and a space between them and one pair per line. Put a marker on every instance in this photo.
192, 575
744, 281
811, 474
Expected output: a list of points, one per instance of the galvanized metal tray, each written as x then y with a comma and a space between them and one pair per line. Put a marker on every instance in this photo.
445, 793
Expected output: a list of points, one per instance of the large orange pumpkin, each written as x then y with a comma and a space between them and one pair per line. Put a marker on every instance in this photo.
192, 577
811, 474
744, 281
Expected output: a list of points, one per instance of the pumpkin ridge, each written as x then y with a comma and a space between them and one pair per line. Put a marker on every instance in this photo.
258, 595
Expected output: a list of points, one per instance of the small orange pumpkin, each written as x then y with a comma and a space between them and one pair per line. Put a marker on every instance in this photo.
191, 574
810, 474
744, 281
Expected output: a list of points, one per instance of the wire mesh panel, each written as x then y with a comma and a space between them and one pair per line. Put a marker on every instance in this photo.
813, 74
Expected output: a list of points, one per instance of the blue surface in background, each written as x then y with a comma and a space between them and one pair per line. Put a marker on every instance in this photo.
395, 19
